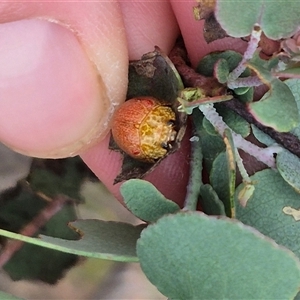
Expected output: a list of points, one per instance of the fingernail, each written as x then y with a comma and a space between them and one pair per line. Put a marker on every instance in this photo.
52, 101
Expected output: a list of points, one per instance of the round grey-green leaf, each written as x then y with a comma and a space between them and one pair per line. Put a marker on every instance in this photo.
145, 201
193, 256
99, 239
273, 209
278, 19
277, 108
288, 166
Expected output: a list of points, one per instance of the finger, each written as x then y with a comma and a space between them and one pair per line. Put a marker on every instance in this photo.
63, 72
170, 177
192, 32
147, 24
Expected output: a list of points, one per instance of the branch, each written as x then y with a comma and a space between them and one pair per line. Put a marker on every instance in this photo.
192, 79
12, 246
286, 139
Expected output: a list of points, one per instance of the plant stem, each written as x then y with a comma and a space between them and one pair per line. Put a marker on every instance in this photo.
245, 82
12, 246
195, 178
252, 46
264, 155
209, 85
241, 167
286, 139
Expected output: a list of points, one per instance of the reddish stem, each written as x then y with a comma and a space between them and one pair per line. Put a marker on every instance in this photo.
192, 79
12, 246
209, 85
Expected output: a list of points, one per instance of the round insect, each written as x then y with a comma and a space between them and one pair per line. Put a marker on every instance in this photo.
144, 128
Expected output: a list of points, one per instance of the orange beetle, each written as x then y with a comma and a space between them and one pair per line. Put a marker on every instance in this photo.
144, 128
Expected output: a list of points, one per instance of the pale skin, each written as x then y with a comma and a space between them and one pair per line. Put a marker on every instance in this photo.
60, 84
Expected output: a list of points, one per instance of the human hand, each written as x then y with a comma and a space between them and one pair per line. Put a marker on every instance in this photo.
61, 83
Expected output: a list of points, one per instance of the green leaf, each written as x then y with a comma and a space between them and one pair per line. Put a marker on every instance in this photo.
220, 180
247, 97
5, 296
207, 63
294, 86
233, 120
297, 296
230, 155
221, 70
193, 256
261, 136
47, 265
241, 91
209, 128
210, 202
65, 177
278, 19
277, 108
100, 239
207, 67
211, 145
268, 65
288, 166
222, 177
18, 207
265, 211
145, 201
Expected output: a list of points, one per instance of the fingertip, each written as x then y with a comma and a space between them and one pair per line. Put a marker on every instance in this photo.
63, 74
105, 164
51, 97
170, 177
149, 24
192, 32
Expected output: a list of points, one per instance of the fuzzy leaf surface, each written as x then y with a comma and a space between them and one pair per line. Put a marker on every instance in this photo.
278, 19
206, 66
211, 145
221, 70
188, 255
277, 108
210, 201
145, 201
288, 166
220, 178
233, 120
65, 177
267, 209
294, 86
99, 239
261, 136
18, 211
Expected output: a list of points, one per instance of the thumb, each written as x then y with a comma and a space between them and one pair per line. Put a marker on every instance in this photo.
62, 74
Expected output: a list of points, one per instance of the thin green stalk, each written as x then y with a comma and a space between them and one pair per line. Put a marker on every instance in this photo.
195, 179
